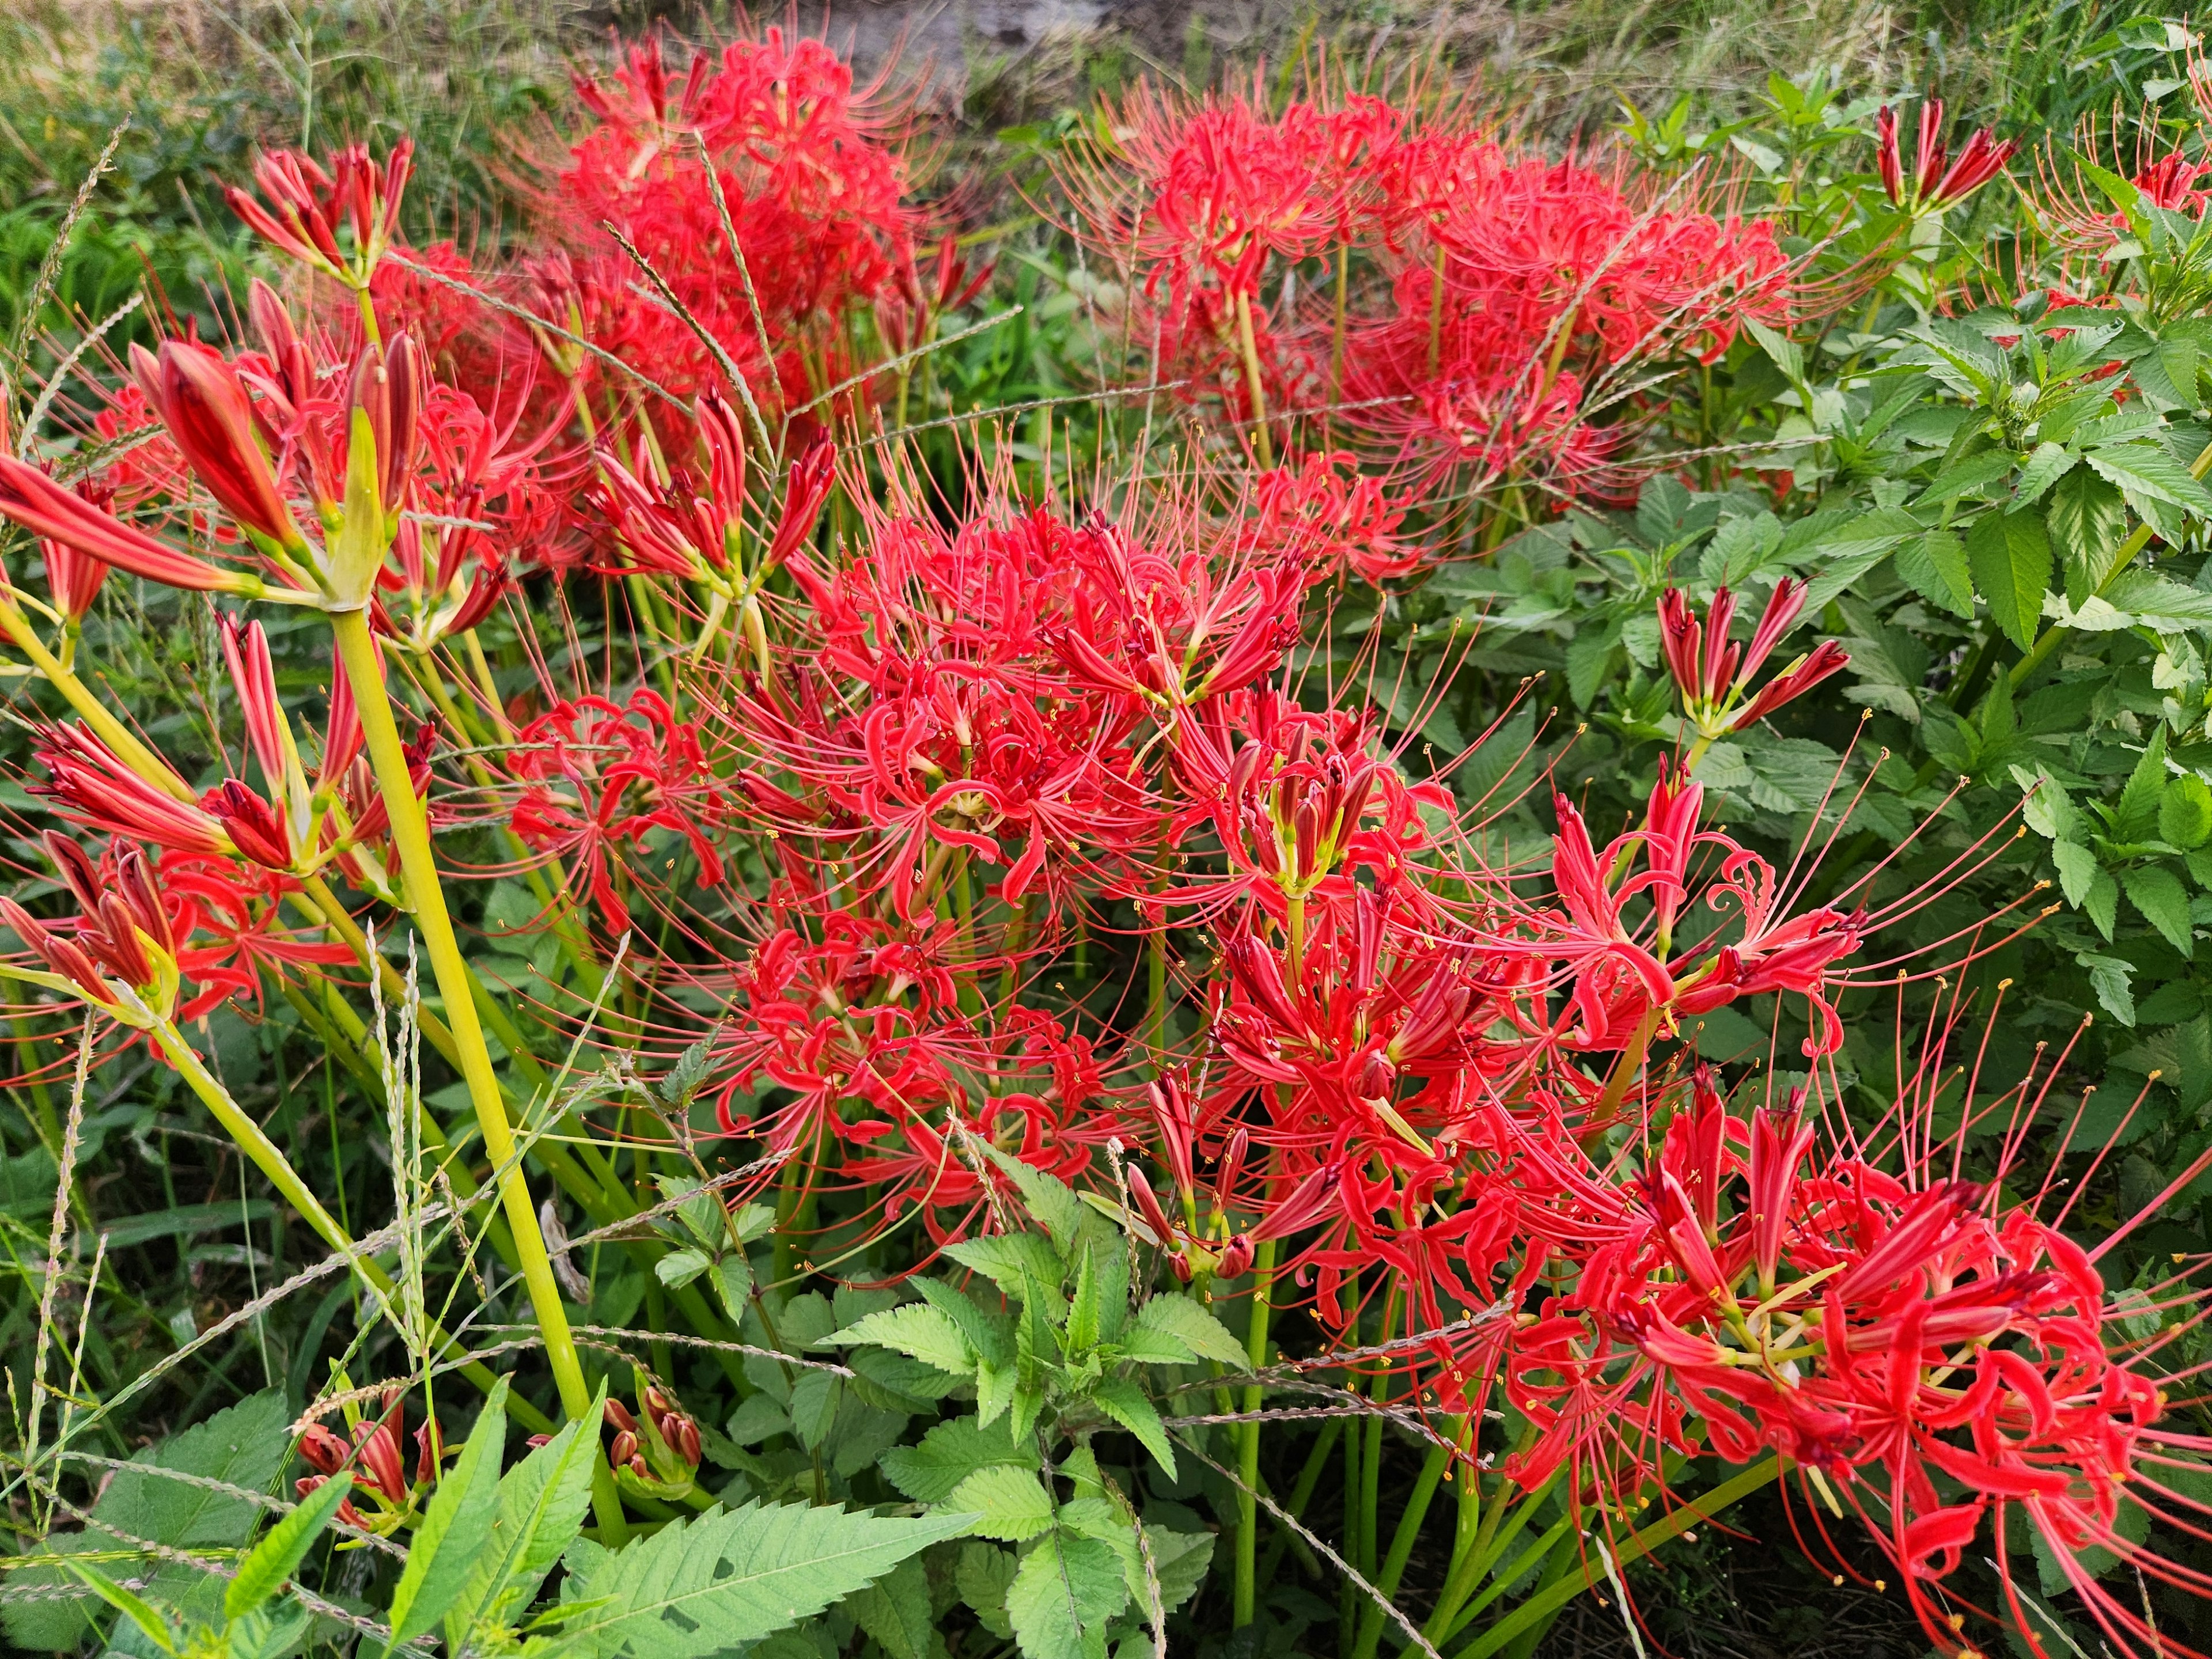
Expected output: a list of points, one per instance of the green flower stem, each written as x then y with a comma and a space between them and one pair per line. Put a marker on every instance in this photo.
1543, 1606
411, 835
104, 727
1301, 1495
1248, 344
1247, 1452
271, 1162
1401, 1548
592, 1194
558, 911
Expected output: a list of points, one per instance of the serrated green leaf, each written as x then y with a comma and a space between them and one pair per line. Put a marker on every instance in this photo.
1064, 1594
2010, 555
698, 1587
2135, 816
1935, 566
2077, 869
1974, 474
1181, 1319
895, 1611
680, 1267
542, 1501
2145, 472
2087, 520
454, 1526
1011, 1502
271, 1561
1122, 1399
2108, 978
2045, 467
990, 1333
950, 1452
917, 1330
983, 1575
1046, 1196
242, 1446
2164, 903
1010, 1260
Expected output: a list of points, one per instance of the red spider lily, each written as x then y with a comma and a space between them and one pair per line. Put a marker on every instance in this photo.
200, 400
1933, 186
811, 170
308, 206
46, 509
1884, 1332
598, 773
1714, 673
1519, 291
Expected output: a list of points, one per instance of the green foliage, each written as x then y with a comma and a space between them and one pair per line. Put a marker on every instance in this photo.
223, 1461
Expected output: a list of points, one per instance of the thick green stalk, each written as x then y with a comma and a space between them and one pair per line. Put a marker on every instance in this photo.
1301, 1495
104, 727
1401, 1548
1248, 1451
271, 1162
411, 835
1249, 345
1541, 1607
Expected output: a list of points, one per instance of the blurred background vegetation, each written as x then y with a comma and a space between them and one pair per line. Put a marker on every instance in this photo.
187, 90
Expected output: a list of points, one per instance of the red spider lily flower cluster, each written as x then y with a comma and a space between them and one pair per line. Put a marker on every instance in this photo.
812, 173
1470, 309
913, 753
373, 1453
1714, 673
1933, 185
656, 1452
1930, 1358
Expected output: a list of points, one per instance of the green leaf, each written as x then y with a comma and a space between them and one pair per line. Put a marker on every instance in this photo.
1974, 474
1183, 1321
133, 1607
2108, 978
1010, 1500
917, 1329
2135, 815
542, 1501
2146, 473
984, 1574
454, 1527
2184, 813
990, 1333
723, 1579
1010, 1260
1063, 1594
244, 1446
274, 1558
2045, 467
2101, 904
733, 1281
2164, 903
1084, 1317
1049, 1198
1935, 567
1122, 1399
2044, 806
2010, 555
2088, 520
895, 1611
680, 1267
949, 1454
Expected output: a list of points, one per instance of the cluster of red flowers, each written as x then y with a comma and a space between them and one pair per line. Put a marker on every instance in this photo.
955, 752
800, 228
1470, 307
